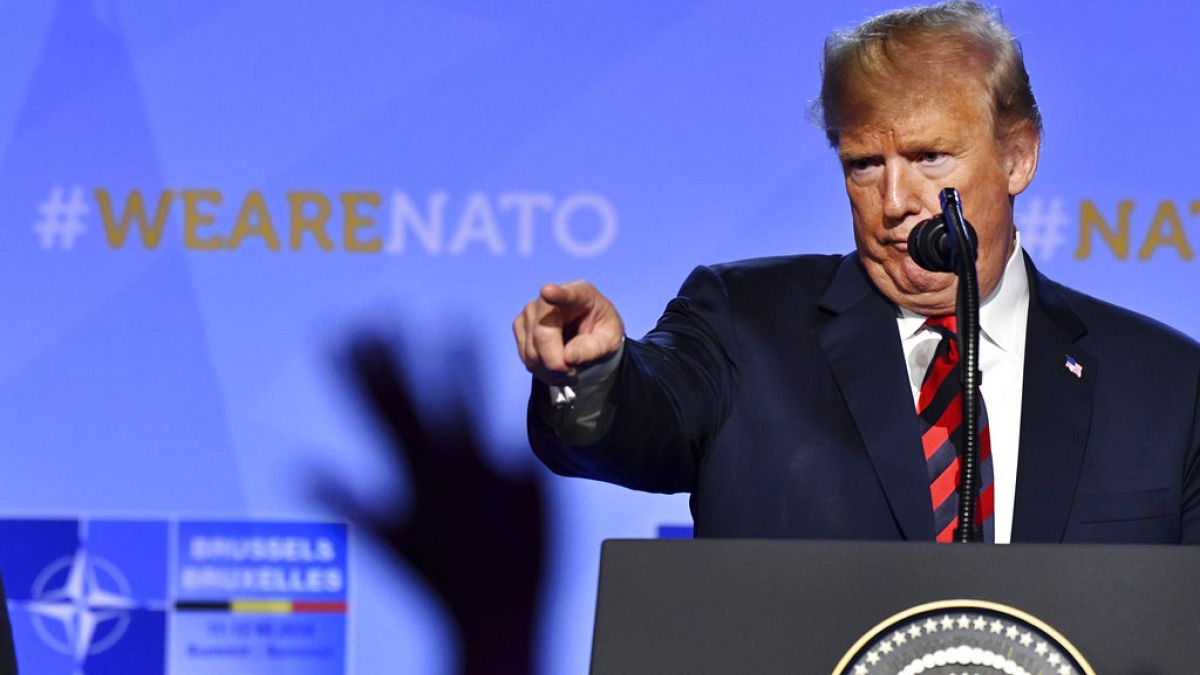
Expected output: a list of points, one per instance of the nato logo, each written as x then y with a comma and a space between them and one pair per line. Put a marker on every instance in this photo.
86, 597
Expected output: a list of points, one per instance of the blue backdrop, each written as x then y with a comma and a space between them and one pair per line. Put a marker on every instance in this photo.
205, 203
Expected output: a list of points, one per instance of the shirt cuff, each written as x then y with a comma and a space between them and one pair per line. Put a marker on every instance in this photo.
580, 408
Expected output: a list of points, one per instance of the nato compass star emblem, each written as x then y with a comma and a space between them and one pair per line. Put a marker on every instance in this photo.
81, 605
963, 637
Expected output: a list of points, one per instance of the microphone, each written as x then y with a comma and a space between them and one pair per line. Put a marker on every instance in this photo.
948, 243
933, 244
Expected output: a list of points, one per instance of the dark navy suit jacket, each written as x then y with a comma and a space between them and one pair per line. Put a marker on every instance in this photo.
775, 391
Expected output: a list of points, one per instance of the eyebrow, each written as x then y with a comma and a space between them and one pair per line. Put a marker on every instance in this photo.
853, 154
919, 144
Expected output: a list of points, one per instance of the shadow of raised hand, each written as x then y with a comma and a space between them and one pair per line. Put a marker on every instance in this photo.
477, 536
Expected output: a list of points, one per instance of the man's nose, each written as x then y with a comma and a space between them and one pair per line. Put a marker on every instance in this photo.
901, 191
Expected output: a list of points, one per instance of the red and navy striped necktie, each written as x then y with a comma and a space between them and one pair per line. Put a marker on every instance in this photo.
940, 409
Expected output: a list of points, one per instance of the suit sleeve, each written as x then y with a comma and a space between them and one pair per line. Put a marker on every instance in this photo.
673, 391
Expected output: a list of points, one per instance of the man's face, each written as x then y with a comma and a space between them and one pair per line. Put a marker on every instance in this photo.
899, 155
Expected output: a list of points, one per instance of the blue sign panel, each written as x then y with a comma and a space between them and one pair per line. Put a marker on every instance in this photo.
260, 597
87, 597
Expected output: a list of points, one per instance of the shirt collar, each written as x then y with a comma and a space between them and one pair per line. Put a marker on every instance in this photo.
1009, 299
1002, 314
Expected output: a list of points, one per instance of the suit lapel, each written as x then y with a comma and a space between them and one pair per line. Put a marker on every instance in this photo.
1056, 414
862, 346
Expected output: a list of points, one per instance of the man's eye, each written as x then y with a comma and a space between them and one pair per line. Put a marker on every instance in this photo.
860, 164
932, 157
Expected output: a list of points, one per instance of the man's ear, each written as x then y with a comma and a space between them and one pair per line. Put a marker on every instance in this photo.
1021, 156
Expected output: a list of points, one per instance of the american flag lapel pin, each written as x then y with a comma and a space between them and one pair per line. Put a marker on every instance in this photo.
1072, 366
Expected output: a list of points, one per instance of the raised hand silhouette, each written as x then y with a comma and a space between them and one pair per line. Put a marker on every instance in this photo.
477, 536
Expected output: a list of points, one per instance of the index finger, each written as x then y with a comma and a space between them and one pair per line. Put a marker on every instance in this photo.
568, 294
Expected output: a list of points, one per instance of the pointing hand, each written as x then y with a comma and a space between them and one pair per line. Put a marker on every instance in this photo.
566, 326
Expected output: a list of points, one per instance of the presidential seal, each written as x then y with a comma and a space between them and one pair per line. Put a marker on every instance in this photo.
963, 637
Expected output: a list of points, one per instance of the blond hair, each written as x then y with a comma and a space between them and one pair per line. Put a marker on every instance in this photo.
957, 32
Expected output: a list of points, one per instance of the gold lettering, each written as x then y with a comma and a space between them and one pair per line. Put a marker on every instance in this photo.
1174, 237
193, 219
1090, 218
134, 209
355, 221
316, 224
254, 205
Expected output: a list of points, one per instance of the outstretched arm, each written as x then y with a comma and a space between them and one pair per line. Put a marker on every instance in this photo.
669, 396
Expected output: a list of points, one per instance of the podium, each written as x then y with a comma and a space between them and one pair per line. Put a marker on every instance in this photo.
753, 606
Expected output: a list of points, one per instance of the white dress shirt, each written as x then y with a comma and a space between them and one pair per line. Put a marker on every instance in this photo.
1003, 315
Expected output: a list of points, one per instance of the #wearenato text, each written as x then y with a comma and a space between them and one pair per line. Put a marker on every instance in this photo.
581, 224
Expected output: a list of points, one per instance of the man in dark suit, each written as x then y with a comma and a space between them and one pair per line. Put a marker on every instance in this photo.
782, 392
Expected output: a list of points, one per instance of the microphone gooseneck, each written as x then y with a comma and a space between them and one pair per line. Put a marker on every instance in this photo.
948, 243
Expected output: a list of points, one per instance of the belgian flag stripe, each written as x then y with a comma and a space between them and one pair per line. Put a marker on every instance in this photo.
197, 606
260, 607
319, 607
